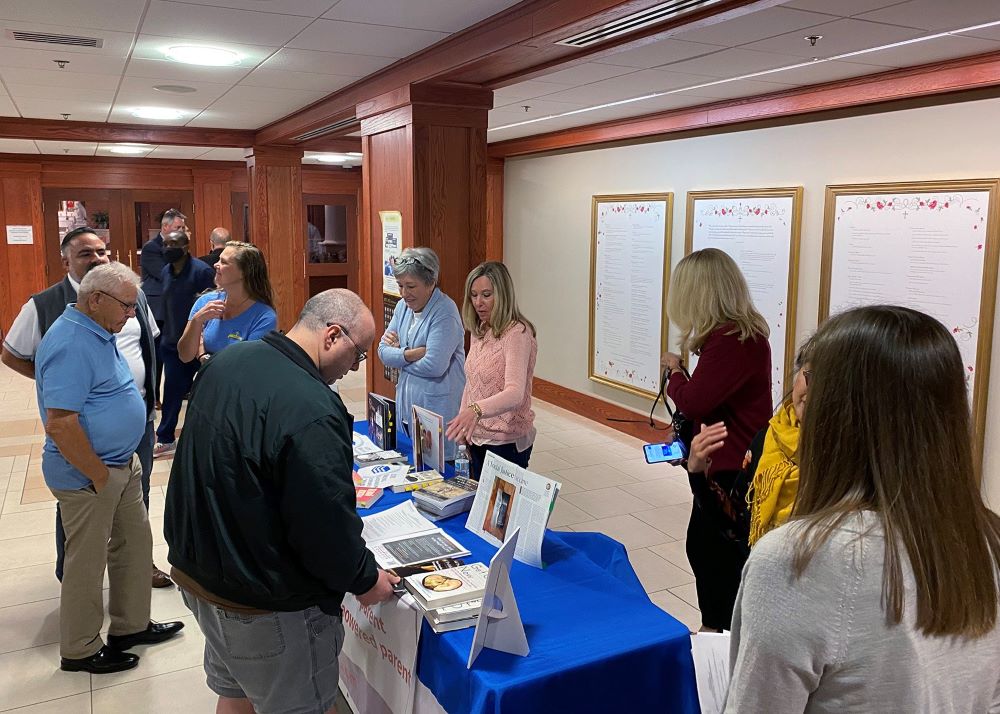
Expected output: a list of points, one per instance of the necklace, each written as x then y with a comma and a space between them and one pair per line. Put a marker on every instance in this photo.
230, 309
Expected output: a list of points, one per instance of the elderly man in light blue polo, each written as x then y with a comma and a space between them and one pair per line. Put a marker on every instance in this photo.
94, 419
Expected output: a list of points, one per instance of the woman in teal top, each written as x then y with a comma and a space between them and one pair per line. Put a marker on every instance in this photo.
241, 309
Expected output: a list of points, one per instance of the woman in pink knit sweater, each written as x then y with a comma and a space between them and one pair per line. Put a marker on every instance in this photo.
499, 368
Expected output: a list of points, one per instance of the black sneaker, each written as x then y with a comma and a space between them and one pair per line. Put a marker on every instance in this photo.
105, 661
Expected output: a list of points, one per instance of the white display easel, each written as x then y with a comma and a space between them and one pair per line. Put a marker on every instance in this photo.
499, 626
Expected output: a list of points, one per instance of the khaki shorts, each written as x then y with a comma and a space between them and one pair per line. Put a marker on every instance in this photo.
283, 662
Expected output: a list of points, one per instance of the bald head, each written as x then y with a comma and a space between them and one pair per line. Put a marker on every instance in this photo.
220, 236
336, 329
338, 306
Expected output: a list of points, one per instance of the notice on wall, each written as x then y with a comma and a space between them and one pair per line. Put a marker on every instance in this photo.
20, 235
630, 244
392, 246
760, 231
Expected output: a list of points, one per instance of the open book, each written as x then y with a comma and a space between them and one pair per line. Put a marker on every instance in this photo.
400, 536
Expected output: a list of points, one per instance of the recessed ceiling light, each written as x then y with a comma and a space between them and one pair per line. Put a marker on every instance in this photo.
174, 88
127, 149
331, 158
157, 113
201, 55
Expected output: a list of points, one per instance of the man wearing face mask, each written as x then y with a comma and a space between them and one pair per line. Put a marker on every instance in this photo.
184, 277
260, 514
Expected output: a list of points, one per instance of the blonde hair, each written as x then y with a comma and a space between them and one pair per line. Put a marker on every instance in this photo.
708, 291
505, 312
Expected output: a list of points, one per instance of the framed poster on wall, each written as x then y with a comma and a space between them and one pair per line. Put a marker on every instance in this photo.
930, 246
629, 275
760, 230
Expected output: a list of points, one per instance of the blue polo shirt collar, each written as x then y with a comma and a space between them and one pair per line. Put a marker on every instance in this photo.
78, 318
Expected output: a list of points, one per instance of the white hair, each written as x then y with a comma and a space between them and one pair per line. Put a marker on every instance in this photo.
421, 262
106, 279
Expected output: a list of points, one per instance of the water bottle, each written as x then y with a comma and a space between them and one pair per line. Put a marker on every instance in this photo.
462, 462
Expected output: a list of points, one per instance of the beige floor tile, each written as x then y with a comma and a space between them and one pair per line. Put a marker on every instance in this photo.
30, 550
580, 436
627, 530
568, 486
6, 463
680, 610
182, 691
667, 492
183, 651
19, 427
544, 442
32, 624
37, 495
590, 477
641, 471
675, 553
76, 704
604, 502
13, 505
156, 526
672, 520
166, 603
161, 478
32, 676
17, 525
30, 584
157, 501
656, 573
546, 461
566, 514
687, 592
585, 455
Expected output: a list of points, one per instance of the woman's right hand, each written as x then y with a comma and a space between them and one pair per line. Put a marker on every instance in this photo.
390, 338
209, 311
706, 442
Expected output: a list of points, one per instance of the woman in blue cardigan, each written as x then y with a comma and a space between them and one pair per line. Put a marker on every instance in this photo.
425, 341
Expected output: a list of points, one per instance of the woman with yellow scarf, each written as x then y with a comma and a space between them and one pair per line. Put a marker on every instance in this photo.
763, 495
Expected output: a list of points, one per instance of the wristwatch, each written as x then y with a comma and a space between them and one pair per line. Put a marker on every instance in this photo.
475, 407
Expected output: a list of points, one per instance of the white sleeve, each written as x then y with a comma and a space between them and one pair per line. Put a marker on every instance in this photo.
151, 321
24, 335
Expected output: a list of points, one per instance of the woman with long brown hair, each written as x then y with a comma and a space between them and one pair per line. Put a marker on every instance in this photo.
881, 593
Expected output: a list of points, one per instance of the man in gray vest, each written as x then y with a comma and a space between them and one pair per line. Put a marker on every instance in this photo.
82, 250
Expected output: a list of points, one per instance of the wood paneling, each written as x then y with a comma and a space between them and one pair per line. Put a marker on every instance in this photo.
22, 267
601, 411
56, 130
494, 209
213, 206
952, 78
323, 179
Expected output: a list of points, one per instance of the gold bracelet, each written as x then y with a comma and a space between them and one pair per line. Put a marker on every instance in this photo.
475, 407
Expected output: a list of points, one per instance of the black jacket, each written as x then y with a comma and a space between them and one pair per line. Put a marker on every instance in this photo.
260, 509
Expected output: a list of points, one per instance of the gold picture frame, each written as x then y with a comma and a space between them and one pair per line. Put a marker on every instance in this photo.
668, 200
988, 284
792, 293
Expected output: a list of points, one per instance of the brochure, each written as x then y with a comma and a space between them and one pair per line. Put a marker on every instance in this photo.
362, 445
400, 536
427, 429
508, 498
383, 475
379, 457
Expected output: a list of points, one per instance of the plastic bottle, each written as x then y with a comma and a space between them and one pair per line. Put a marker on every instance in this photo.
462, 462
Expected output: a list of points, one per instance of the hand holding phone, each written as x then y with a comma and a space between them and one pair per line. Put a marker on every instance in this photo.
706, 442
671, 452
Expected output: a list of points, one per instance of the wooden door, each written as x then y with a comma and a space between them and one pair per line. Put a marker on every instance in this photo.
67, 208
331, 241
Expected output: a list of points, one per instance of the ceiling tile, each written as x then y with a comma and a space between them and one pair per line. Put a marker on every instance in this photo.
989, 33
734, 62
738, 88
121, 113
645, 81
839, 37
67, 148
121, 15
44, 59
932, 50
7, 108
537, 107
154, 47
356, 38
820, 72
277, 78
178, 152
116, 44
936, 15
287, 100
303, 8
166, 72
104, 149
525, 90
658, 53
754, 26
140, 90
18, 146
291, 60
54, 78
216, 24
53, 108
439, 15
844, 8
236, 118
586, 73
63, 94
223, 155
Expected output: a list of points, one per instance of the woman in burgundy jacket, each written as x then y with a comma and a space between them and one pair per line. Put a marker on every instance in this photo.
711, 305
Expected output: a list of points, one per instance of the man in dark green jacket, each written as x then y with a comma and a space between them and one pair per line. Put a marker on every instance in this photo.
260, 513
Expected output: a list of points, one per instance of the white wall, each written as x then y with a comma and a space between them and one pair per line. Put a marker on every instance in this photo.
547, 206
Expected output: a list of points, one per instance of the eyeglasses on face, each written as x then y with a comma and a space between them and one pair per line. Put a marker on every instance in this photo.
360, 355
126, 306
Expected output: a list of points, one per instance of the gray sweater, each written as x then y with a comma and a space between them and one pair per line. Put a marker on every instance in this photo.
821, 643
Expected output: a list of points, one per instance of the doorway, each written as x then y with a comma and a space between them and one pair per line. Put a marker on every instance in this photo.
331, 252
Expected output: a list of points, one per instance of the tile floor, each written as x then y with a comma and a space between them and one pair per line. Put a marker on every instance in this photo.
607, 487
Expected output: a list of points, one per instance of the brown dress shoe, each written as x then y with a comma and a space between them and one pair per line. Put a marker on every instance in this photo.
161, 579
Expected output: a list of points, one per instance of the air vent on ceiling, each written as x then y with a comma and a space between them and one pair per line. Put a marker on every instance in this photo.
635, 21
324, 130
50, 39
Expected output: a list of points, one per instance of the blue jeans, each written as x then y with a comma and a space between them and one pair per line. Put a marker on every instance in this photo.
145, 453
177, 380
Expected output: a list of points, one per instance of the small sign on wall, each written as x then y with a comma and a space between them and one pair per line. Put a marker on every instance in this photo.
20, 235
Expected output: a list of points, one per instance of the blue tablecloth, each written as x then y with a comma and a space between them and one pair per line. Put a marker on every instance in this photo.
597, 643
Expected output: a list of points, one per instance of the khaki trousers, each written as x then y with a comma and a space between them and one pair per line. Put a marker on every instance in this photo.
106, 530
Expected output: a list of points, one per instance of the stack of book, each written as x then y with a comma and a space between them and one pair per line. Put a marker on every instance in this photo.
379, 457
447, 498
451, 598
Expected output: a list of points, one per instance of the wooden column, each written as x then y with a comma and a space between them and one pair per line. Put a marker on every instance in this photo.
424, 156
212, 205
494, 209
22, 267
277, 224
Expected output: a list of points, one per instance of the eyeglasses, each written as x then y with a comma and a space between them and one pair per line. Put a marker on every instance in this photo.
403, 262
126, 306
359, 354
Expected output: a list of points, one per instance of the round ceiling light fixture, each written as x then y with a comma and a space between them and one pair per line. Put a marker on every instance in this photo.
202, 55
128, 149
161, 113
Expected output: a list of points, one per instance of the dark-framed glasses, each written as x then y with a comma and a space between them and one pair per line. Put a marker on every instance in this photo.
126, 306
360, 355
